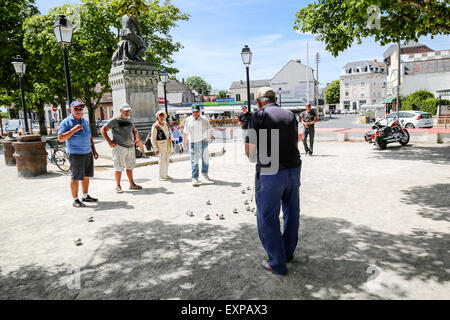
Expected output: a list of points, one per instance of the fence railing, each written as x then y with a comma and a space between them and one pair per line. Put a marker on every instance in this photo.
441, 122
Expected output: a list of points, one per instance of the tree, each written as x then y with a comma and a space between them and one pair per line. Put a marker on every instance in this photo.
333, 92
223, 93
340, 23
93, 43
12, 15
199, 85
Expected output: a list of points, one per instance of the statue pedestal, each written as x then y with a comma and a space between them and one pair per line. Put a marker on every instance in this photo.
135, 83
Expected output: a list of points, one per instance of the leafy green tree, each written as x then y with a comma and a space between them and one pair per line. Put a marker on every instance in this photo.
199, 85
333, 92
416, 99
340, 23
93, 43
223, 93
12, 15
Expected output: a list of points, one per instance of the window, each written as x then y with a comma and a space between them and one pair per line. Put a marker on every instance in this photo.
238, 97
363, 83
346, 93
346, 84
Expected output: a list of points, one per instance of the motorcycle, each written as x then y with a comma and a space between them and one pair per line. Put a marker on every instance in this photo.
383, 134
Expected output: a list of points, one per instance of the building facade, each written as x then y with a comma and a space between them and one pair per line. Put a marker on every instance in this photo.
177, 92
294, 83
362, 82
238, 89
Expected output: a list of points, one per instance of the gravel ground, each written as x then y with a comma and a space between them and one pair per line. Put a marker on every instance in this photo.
374, 225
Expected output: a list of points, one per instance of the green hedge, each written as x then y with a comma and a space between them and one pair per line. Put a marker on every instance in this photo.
429, 105
424, 100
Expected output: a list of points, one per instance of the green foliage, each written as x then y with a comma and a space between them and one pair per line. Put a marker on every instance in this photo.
429, 105
333, 92
416, 99
5, 115
199, 85
223, 93
339, 23
12, 15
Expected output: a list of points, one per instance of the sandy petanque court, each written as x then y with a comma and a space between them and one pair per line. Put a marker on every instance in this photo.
374, 225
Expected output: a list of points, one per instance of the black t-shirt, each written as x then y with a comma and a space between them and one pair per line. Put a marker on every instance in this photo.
308, 117
245, 118
273, 117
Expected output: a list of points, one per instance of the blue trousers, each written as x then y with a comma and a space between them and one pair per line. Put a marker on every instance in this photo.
199, 150
271, 193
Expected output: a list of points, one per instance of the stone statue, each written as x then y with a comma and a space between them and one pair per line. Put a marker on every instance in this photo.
132, 46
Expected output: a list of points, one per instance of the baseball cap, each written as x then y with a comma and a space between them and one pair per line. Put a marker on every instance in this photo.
76, 103
265, 92
125, 107
195, 107
161, 112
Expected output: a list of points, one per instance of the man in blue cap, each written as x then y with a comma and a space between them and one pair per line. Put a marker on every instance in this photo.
272, 142
76, 132
198, 128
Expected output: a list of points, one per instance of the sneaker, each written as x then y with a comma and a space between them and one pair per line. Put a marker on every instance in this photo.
195, 183
78, 204
89, 199
207, 178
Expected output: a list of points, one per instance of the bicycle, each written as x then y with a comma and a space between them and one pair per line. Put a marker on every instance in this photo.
58, 155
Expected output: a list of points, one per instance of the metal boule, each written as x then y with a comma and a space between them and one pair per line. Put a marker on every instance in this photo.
221, 216
90, 219
248, 188
208, 202
247, 208
235, 210
207, 217
78, 241
246, 202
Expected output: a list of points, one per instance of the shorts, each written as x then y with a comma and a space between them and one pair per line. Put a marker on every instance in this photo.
123, 158
81, 165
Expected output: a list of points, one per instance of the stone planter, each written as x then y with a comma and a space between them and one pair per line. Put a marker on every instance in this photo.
30, 155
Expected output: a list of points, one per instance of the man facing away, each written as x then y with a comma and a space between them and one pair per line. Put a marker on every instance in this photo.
198, 129
272, 143
125, 136
308, 118
75, 131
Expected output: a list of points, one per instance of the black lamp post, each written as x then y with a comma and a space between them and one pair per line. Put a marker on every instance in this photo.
246, 56
279, 93
164, 76
63, 32
19, 67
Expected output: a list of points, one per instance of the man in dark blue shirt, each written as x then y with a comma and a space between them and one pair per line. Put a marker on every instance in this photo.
76, 132
272, 143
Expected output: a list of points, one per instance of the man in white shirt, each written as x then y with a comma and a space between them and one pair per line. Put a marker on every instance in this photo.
198, 129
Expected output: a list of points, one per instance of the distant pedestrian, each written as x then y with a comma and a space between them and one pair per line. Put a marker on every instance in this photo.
308, 118
277, 178
76, 132
198, 129
162, 144
244, 118
125, 136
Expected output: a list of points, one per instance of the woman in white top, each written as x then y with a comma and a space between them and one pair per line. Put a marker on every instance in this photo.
162, 143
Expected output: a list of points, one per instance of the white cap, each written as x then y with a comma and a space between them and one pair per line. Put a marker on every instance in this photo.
125, 107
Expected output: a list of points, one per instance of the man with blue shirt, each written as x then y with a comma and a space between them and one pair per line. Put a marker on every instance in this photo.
80, 146
272, 142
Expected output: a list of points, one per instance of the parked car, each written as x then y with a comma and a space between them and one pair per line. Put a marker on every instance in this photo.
413, 119
102, 123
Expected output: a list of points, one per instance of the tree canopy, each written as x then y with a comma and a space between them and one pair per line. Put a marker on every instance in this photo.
198, 84
333, 92
338, 23
95, 38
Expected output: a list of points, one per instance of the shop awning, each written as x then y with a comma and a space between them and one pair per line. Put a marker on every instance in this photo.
389, 100
444, 93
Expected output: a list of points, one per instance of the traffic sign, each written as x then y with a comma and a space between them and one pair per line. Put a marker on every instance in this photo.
161, 100
55, 108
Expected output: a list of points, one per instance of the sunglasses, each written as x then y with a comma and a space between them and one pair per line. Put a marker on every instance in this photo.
78, 109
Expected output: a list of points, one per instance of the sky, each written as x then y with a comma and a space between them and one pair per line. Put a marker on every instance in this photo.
217, 31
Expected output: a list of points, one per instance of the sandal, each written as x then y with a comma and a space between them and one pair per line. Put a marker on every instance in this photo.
119, 189
134, 186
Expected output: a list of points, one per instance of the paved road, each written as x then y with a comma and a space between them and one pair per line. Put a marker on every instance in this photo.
374, 225
341, 121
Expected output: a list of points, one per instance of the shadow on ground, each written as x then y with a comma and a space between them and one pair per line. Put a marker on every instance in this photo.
436, 155
157, 260
434, 200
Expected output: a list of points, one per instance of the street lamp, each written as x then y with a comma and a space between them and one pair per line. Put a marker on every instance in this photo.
246, 56
164, 76
63, 32
19, 67
279, 92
